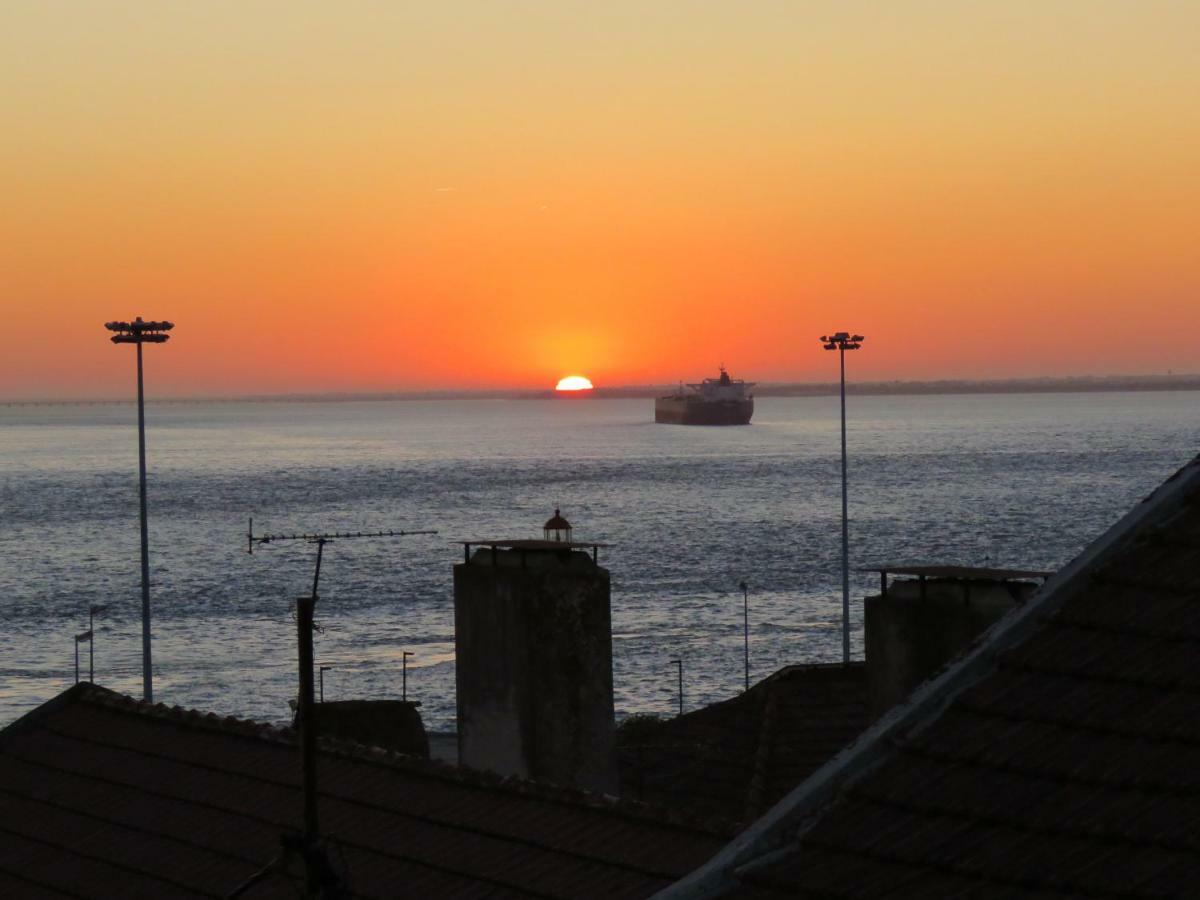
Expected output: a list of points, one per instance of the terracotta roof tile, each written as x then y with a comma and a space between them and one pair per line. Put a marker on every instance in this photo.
1060, 759
736, 758
102, 796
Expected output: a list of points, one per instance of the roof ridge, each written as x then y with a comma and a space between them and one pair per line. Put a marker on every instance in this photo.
762, 757
208, 721
39, 712
627, 808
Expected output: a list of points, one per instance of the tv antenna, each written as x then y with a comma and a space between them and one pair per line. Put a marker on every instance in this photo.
321, 880
320, 539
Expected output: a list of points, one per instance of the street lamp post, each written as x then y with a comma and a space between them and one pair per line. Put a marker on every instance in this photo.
93, 611
139, 332
404, 676
679, 664
79, 639
321, 677
843, 341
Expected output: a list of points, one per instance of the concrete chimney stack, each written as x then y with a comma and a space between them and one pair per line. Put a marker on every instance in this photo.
533, 638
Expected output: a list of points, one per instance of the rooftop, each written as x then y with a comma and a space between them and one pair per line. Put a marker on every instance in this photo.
737, 758
1059, 758
101, 795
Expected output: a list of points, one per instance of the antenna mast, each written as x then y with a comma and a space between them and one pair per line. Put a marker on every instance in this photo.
320, 877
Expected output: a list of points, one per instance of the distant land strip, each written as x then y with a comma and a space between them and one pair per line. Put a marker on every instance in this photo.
1081, 384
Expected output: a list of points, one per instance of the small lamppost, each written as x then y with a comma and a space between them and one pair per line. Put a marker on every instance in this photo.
79, 639
93, 611
404, 673
679, 664
843, 341
321, 679
139, 332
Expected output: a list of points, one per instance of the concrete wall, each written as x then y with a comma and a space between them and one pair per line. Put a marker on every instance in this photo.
909, 638
533, 638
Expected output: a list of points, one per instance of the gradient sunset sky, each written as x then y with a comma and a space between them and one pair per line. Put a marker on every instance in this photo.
382, 196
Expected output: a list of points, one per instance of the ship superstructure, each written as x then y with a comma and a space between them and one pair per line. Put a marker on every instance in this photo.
713, 401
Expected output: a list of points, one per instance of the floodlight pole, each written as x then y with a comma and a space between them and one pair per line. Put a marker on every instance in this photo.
147, 670
404, 677
843, 341
139, 332
746, 627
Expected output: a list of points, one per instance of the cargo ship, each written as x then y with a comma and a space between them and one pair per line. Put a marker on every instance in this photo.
714, 401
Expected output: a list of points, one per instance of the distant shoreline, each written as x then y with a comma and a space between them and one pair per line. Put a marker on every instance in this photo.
1088, 384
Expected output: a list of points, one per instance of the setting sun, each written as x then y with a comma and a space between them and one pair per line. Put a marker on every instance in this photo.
573, 383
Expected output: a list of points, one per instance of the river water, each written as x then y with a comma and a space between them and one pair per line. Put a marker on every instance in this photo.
1007, 479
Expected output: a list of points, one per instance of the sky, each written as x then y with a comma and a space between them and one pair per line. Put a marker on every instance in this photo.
406, 196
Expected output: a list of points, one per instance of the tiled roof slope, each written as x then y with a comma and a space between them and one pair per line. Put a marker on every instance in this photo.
1060, 759
101, 796
737, 758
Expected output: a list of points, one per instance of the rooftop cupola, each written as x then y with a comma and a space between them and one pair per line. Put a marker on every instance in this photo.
557, 528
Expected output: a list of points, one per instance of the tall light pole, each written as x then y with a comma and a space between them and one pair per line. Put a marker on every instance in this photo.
843, 341
139, 332
746, 626
404, 668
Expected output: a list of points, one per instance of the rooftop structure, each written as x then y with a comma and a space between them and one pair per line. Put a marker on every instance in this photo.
104, 796
533, 676
916, 625
1058, 758
737, 758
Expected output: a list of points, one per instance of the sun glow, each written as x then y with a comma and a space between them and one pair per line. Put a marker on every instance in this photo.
573, 383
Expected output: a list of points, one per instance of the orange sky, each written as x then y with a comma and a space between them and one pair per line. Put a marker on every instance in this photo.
381, 196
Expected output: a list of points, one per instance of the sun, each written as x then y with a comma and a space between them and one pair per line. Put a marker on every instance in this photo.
573, 383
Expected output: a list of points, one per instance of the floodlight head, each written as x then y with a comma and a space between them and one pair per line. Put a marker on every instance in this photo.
842, 340
139, 332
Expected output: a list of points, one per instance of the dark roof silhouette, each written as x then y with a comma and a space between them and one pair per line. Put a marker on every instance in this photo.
737, 758
103, 796
1059, 758
390, 724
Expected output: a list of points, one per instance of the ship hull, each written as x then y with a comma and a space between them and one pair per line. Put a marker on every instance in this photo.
695, 411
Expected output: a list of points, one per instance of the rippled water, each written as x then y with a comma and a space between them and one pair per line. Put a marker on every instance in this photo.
1021, 480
